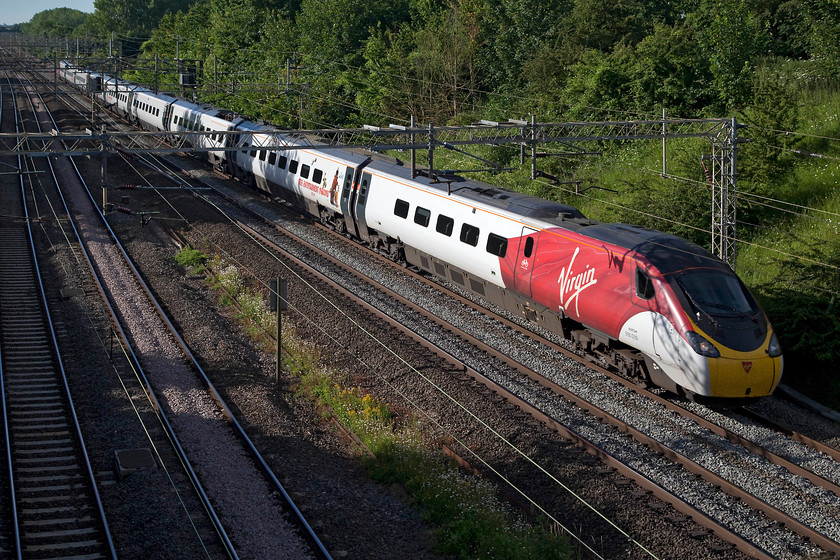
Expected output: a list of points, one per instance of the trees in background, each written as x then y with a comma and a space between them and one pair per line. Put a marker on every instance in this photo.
438, 58
353, 62
131, 18
58, 22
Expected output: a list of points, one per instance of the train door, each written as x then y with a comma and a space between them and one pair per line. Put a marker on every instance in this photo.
167, 116
361, 200
346, 188
349, 197
654, 330
525, 258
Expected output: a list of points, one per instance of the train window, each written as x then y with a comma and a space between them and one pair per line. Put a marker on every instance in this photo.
317, 175
401, 208
293, 165
422, 216
496, 245
469, 234
529, 247
272, 158
304, 171
348, 184
262, 155
254, 153
281, 162
644, 285
363, 188
445, 225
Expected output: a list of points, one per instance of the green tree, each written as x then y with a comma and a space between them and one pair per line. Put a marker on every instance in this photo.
764, 160
332, 35
512, 31
598, 83
336, 30
732, 39
603, 24
58, 22
822, 22
132, 18
669, 70
428, 72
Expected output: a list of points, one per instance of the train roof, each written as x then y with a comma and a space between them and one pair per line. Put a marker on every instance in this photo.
668, 253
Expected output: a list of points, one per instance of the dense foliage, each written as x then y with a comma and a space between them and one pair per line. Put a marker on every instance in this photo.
773, 64
58, 22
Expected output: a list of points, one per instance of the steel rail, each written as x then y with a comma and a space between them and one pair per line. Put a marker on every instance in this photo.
733, 490
171, 434
62, 376
792, 434
308, 533
8, 440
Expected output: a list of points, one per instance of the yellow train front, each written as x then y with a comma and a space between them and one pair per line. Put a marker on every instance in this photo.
718, 346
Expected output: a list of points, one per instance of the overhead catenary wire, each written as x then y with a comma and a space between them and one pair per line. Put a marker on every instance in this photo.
315, 323
767, 202
384, 345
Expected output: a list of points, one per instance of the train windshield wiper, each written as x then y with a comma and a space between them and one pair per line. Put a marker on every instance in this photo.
700, 307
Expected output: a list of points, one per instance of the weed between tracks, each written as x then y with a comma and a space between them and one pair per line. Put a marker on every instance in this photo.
469, 520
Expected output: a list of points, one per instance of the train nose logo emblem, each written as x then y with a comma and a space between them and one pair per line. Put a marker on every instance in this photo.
747, 366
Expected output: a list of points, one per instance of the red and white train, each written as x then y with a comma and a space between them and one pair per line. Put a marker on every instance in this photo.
652, 305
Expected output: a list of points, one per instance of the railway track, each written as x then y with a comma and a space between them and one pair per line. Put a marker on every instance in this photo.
54, 509
814, 537
739, 495
140, 291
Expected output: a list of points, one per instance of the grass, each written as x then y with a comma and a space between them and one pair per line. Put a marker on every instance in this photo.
192, 259
469, 520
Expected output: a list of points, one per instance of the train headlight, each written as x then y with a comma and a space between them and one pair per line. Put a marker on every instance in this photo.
774, 350
701, 345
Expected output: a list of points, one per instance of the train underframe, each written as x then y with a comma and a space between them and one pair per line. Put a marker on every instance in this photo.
593, 346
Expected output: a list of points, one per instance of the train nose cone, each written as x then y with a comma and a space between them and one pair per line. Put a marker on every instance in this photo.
754, 377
